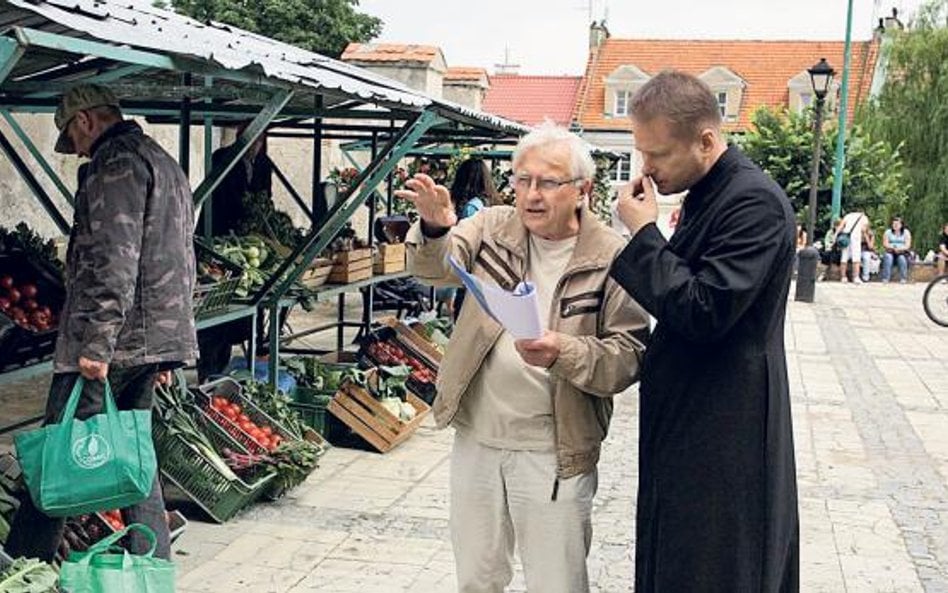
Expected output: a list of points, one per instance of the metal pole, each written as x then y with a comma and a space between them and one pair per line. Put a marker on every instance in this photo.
184, 130
808, 257
815, 169
841, 131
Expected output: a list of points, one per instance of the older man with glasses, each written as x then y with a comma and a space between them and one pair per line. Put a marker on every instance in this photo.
529, 415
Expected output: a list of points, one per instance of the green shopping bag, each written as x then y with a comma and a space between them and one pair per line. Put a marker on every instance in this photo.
105, 568
82, 466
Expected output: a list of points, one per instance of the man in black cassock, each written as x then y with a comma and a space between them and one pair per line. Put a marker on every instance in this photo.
717, 499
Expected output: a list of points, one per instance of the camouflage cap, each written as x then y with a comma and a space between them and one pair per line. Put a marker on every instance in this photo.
76, 99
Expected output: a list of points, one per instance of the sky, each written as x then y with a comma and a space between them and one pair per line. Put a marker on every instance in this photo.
551, 36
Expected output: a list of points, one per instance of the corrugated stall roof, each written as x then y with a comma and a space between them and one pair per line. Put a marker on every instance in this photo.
137, 25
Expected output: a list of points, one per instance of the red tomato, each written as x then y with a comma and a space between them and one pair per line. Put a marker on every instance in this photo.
29, 291
4, 304
14, 295
230, 413
237, 409
6, 281
264, 442
244, 418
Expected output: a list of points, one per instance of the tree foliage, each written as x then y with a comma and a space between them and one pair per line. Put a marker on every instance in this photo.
322, 26
912, 111
781, 143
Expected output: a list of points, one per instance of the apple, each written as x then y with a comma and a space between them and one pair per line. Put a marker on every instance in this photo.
29, 291
30, 305
6, 281
14, 295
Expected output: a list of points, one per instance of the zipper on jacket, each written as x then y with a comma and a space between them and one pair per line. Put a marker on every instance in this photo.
556, 488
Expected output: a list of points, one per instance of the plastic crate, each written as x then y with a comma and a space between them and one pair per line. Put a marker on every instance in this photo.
313, 414
219, 496
20, 346
230, 390
213, 297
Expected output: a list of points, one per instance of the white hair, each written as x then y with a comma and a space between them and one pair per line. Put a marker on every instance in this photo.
582, 165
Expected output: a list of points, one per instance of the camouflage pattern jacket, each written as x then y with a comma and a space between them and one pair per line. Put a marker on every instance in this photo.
130, 265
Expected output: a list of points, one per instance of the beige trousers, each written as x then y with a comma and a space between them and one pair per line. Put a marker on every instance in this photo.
501, 497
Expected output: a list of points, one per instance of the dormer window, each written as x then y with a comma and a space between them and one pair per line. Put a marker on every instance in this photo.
728, 89
722, 103
622, 103
621, 85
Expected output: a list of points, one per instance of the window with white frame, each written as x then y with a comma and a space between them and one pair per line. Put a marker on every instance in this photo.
622, 102
722, 103
622, 169
806, 99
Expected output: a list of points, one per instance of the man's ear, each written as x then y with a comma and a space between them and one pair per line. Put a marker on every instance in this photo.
708, 139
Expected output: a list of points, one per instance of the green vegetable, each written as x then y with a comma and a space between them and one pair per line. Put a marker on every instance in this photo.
293, 462
28, 576
274, 404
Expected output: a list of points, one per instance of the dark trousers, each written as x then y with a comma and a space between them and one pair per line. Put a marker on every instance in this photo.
34, 534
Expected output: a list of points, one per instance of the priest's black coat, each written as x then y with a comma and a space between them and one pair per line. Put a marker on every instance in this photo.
717, 500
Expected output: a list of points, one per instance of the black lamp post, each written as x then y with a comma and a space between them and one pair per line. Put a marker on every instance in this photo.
821, 75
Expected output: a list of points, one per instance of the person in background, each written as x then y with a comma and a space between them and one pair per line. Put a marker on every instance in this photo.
942, 256
129, 279
530, 415
869, 260
252, 174
897, 243
851, 227
472, 191
717, 495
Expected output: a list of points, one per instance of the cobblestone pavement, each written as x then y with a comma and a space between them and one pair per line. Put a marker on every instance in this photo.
869, 381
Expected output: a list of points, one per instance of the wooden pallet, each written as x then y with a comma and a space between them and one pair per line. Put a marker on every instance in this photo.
351, 266
358, 409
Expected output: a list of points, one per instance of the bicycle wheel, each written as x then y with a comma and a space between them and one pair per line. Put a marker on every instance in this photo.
935, 300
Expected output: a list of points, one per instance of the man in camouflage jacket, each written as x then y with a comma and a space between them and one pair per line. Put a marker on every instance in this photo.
129, 278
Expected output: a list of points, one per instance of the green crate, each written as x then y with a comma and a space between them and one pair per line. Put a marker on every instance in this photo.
308, 395
314, 414
219, 496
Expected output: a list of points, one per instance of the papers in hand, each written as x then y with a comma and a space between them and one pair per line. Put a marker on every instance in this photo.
517, 311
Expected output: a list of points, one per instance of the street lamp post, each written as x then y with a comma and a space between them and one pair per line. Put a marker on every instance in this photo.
821, 75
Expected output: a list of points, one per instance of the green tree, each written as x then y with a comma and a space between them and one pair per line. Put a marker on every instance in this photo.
322, 26
781, 143
912, 111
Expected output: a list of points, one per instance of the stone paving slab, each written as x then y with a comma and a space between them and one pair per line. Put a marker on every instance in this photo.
869, 383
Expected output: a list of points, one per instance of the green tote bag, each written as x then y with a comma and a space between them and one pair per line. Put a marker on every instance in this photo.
82, 466
105, 568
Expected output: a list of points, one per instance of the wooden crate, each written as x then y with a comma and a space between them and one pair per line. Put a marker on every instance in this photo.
419, 344
390, 258
358, 409
351, 266
317, 274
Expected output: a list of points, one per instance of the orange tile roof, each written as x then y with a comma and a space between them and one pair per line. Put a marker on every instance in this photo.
531, 99
465, 73
766, 67
390, 52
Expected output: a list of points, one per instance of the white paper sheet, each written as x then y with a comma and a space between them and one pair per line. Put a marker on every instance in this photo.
517, 311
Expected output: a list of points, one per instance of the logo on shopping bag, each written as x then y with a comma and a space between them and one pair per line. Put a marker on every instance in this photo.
91, 451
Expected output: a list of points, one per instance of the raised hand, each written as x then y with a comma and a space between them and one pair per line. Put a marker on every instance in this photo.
432, 201
637, 205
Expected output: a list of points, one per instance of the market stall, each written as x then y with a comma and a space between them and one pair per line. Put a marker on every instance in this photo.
173, 70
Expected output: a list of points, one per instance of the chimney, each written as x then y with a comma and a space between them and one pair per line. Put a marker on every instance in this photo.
597, 34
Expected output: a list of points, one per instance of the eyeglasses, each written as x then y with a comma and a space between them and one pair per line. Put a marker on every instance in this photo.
544, 185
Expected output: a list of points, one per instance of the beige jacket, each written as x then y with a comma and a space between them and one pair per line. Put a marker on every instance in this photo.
603, 331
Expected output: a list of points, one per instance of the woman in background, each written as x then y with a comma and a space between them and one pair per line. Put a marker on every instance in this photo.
473, 190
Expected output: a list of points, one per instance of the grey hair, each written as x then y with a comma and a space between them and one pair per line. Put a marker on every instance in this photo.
582, 165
